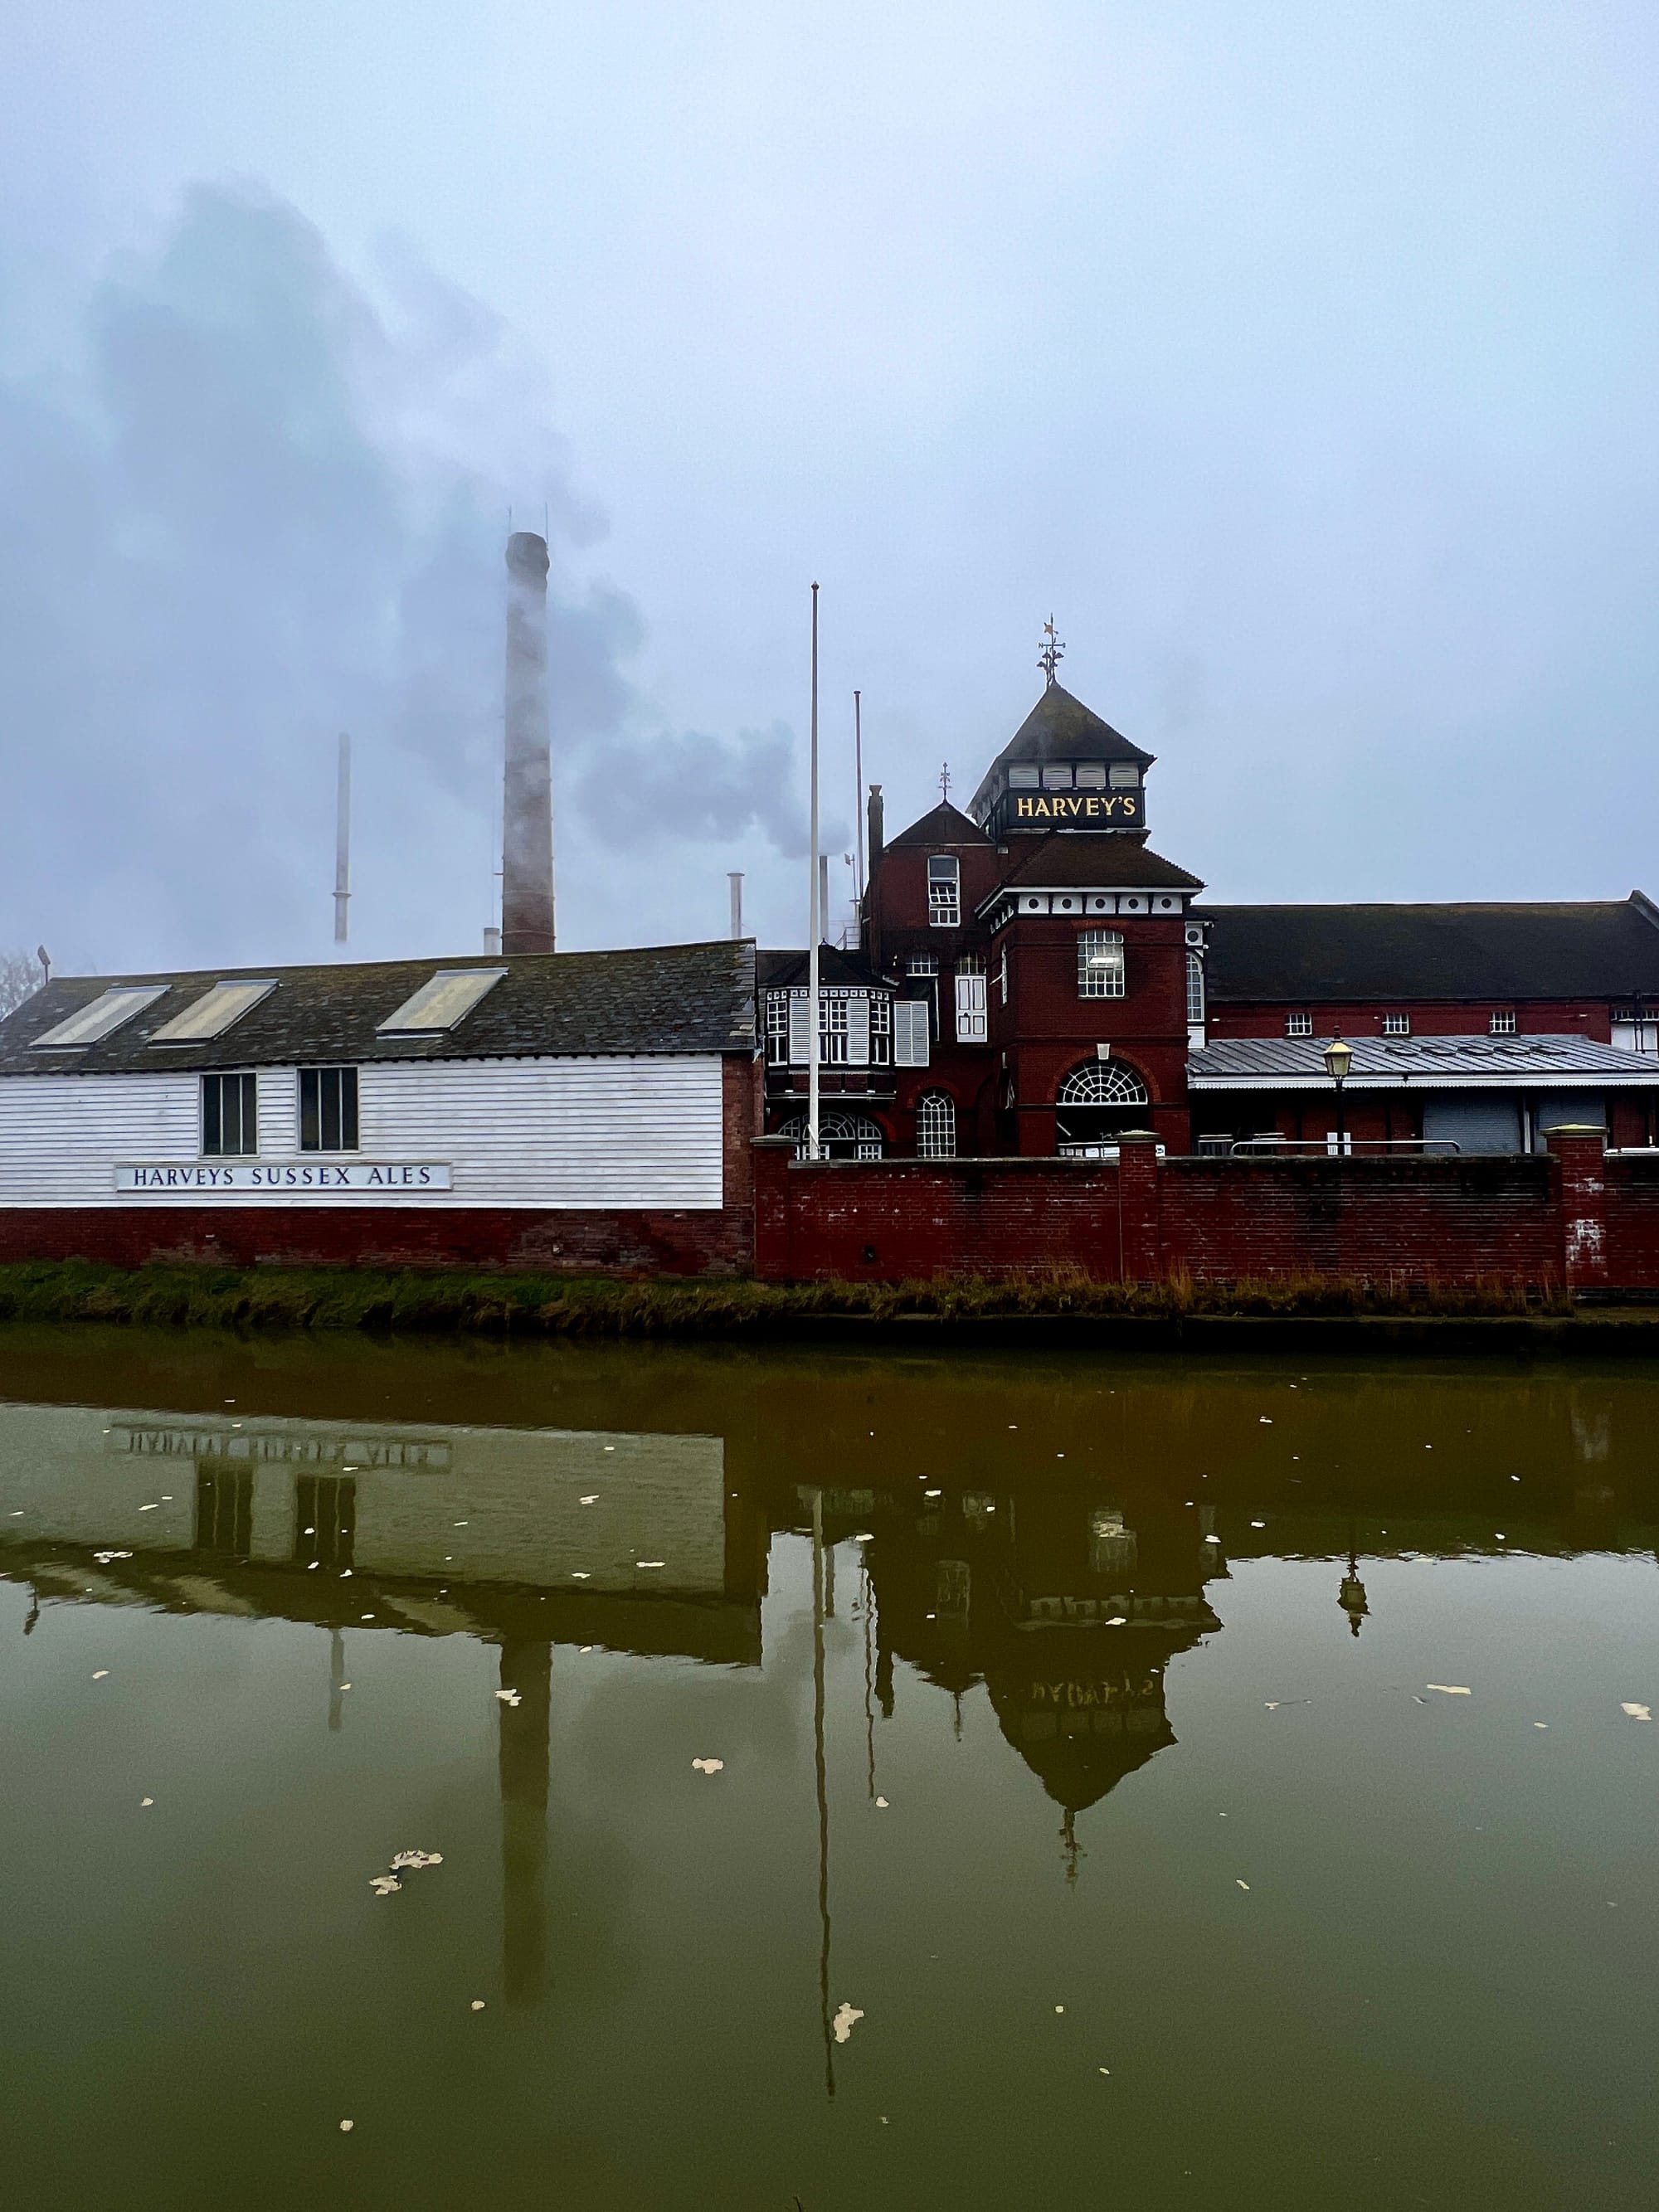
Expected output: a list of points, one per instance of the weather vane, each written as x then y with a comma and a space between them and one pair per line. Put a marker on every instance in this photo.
1053, 649
944, 781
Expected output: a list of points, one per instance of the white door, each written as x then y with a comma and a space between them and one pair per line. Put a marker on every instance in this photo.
970, 1009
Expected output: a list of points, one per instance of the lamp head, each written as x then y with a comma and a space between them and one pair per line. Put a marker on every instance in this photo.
1337, 1057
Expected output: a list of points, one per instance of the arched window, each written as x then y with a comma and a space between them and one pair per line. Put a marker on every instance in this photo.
1194, 988
1094, 1103
936, 1126
1100, 963
1103, 1083
841, 1136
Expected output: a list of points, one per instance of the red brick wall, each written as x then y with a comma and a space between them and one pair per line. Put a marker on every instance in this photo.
1446, 1220
1358, 1018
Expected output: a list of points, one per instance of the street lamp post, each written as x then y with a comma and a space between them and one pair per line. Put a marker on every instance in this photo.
1337, 1058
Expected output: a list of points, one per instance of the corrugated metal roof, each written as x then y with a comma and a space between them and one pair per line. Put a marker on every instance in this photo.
1445, 1063
657, 999
1499, 951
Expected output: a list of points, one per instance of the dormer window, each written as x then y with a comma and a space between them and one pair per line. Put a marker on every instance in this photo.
944, 892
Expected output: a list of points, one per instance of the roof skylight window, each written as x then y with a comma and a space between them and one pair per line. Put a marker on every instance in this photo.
91, 1024
444, 1000
212, 1014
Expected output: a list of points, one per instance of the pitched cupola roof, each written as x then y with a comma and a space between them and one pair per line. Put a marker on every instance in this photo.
945, 825
1061, 728
1118, 862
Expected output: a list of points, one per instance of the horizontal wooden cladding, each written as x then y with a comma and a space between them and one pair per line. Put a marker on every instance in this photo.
612, 1133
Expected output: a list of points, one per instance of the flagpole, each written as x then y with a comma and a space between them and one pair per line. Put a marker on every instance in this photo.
858, 787
814, 920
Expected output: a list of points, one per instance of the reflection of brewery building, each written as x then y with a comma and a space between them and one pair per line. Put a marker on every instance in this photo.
1068, 1611
431, 1532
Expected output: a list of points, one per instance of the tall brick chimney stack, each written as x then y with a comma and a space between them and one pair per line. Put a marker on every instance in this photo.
527, 792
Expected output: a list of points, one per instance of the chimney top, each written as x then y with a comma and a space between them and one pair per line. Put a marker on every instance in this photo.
526, 557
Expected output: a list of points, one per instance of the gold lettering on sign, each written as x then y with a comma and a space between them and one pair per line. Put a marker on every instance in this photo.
1072, 808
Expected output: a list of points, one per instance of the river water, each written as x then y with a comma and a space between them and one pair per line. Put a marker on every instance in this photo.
1139, 1780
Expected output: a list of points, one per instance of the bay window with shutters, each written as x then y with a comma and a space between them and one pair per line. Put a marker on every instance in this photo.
1100, 970
855, 1029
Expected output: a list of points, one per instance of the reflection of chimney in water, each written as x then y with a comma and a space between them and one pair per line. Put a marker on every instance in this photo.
527, 1667
527, 792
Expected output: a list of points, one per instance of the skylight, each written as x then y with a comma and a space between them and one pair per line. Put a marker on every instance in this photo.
104, 1016
443, 1001
212, 1014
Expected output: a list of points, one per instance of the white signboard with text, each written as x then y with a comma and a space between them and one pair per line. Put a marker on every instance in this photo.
285, 1178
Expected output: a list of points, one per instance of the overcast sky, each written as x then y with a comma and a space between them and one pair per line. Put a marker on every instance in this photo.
1299, 356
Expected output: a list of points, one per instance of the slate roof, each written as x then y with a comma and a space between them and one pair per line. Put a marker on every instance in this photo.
658, 999
1438, 1063
1065, 860
1592, 949
1061, 728
945, 825
777, 970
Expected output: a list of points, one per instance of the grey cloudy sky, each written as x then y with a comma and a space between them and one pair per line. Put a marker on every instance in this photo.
1299, 356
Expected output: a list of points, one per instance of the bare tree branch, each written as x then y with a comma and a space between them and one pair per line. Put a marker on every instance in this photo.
20, 977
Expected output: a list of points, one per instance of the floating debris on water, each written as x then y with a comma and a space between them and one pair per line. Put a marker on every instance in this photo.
142, 1802
384, 1884
708, 1766
346, 2126
1637, 1713
845, 2020
477, 2004
104, 1558
593, 1499
650, 1563
404, 1859
1450, 1689
1242, 1885
881, 1804
509, 1697
99, 1674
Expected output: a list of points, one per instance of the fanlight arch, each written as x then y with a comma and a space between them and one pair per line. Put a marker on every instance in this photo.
1102, 1082
841, 1136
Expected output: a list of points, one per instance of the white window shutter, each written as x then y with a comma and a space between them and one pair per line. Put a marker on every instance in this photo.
858, 1032
801, 1030
912, 1033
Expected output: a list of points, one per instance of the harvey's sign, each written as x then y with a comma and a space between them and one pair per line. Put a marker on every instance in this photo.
282, 1178
1074, 809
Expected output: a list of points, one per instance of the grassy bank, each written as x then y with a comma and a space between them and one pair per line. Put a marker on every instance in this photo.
554, 1305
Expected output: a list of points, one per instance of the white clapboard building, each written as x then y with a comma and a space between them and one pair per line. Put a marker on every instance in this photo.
610, 1087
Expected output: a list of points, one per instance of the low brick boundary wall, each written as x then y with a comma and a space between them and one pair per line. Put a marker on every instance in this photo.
1570, 1219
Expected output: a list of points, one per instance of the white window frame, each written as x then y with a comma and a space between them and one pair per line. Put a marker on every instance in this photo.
1501, 1021
973, 1016
1097, 978
1396, 1025
777, 1029
1298, 1024
1195, 987
944, 892
936, 1126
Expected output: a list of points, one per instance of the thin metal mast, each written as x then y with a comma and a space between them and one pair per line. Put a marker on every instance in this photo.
814, 919
343, 842
858, 787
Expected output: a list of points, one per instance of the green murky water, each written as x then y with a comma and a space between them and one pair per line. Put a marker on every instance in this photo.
1087, 1829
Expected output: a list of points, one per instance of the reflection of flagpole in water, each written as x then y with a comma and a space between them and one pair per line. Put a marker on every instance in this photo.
823, 1789
335, 1678
527, 1667
869, 1589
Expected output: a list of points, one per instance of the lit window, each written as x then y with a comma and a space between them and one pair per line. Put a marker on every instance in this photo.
1298, 1024
1100, 963
936, 1126
1396, 1025
212, 1014
103, 1017
1195, 986
443, 1000
1502, 1022
328, 1109
230, 1115
944, 892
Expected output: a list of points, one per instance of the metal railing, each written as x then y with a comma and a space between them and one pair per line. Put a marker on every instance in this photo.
1329, 1148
